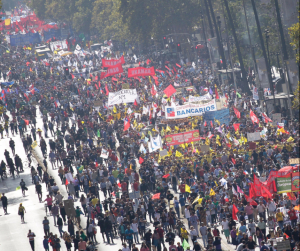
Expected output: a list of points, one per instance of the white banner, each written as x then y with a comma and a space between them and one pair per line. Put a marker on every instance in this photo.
104, 154
255, 136
58, 45
122, 96
189, 110
196, 99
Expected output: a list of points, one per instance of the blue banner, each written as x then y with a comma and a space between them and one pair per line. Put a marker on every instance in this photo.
24, 39
52, 33
222, 115
8, 83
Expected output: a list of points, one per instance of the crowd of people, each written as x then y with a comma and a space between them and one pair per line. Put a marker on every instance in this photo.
189, 199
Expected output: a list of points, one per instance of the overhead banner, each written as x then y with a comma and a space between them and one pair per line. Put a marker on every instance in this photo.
112, 62
58, 45
283, 185
181, 138
140, 71
112, 71
189, 110
221, 115
255, 93
122, 96
196, 99
295, 181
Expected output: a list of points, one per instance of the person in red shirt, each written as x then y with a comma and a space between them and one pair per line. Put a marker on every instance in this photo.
124, 187
160, 232
293, 216
182, 189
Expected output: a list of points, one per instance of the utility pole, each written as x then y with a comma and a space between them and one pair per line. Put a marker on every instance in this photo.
285, 55
263, 50
254, 60
220, 46
208, 18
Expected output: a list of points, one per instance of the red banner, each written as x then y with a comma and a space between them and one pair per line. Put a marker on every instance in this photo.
140, 71
113, 71
180, 138
112, 62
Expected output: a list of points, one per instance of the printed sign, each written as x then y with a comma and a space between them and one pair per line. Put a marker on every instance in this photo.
189, 110
295, 181
283, 185
180, 138
276, 118
104, 154
196, 99
254, 136
222, 115
255, 93
58, 45
283, 245
122, 96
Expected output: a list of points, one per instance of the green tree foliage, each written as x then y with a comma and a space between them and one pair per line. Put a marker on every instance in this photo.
107, 20
147, 18
296, 100
294, 35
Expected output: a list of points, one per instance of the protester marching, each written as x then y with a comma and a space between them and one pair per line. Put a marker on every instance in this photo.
132, 153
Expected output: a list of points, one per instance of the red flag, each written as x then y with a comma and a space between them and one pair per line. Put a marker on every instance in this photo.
26, 122
55, 104
126, 124
252, 202
167, 67
141, 160
237, 113
205, 123
233, 161
236, 127
106, 89
153, 90
96, 86
166, 176
78, 91
291, 196
96, 164
114, 79
156, 196
72, 76
216, 93
32, 91
265, 192
234, 212
155, 79
67, 182
135, 103
253, 117
211, 124
102, 75
112, 62
169, 91
228, 145
54, 88
25, 95
119, 184
178, 65
267, 119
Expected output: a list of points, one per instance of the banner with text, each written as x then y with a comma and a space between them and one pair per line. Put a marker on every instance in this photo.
180, 138
112, 62
189, 110
122, 96
196, 99
112, 71
140, 71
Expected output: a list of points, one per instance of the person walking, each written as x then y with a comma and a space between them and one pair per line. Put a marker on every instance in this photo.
23, 187
4, 203
60, 225
46, 226
21, 212
31, 236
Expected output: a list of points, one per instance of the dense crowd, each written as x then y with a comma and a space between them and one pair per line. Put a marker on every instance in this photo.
149, 201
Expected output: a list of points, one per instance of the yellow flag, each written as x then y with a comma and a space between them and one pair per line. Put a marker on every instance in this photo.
218, 137
150, 79
187, 188
217, 121
153, 129
159, 158
216, 183
170, 153
228, 135
207, 141
178, 154
290, 139
168, 129
115, 110
143, 135
193, 126
134, 123
176, 128
218, 142
186, 144
182, 145
237, 132
212, 192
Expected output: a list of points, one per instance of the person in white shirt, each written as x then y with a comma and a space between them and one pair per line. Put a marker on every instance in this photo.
125, 248
134, 227
187, 214
120, 219
271, 207
193, 234
225, 227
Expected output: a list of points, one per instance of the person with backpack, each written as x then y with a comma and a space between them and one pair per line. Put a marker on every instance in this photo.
21, 212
